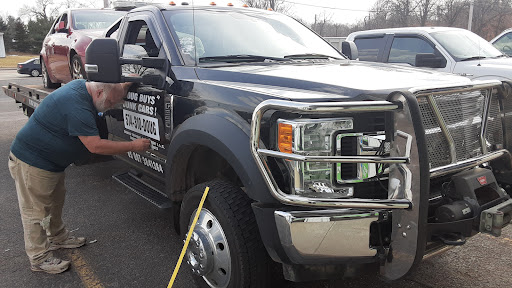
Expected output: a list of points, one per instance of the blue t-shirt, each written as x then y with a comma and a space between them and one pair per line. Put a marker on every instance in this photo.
49, 140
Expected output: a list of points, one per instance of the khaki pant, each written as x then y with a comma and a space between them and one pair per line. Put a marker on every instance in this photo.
41, 198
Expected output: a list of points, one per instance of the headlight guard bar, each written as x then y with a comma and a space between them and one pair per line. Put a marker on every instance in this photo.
260, 154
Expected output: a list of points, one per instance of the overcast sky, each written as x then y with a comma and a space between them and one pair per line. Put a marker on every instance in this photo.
343, 11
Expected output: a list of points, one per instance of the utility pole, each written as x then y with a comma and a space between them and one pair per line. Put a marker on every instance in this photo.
106, 4
470, 21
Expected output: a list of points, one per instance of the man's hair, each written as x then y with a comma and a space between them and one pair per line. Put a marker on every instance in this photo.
109, 89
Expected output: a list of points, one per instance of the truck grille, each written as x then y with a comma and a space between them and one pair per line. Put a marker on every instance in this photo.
462, 114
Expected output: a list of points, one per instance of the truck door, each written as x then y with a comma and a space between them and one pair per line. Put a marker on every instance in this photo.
405, 48
57, 50
59, 61
147, 110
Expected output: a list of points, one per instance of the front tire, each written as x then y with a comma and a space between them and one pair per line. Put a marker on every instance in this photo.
47, 82
225, 249
77, 69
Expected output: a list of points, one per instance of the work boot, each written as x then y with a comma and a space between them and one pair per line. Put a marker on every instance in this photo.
71, 242
51, 265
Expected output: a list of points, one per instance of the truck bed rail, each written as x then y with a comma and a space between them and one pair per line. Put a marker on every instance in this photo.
28, 95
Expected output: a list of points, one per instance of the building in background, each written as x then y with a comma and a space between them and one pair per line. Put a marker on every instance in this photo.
2, 46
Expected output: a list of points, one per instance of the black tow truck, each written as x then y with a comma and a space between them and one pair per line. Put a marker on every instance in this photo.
321, 164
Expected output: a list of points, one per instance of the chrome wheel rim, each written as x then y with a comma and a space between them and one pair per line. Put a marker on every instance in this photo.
35, 73
77, 69
208, 251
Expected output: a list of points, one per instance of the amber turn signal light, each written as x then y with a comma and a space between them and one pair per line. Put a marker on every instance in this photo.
285, 138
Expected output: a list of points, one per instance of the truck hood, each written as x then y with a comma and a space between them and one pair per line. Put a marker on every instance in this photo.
500, 68
327, 80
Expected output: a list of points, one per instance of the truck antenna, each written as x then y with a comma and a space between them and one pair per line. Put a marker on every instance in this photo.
194, 27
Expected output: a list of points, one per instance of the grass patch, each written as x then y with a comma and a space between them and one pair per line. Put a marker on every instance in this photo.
11, 61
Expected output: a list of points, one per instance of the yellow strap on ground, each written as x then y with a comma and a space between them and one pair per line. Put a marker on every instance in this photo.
189, 234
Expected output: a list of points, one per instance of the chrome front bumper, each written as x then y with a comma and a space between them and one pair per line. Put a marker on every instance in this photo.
334, 234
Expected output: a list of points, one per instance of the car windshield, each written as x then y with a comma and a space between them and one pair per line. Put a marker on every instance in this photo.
465, 45
95, 19
250, 36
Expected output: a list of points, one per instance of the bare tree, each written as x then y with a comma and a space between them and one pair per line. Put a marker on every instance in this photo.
425, 9
276, 5
42, 9
322, 20
449, 12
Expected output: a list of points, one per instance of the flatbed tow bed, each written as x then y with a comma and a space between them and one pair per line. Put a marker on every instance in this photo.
30, 96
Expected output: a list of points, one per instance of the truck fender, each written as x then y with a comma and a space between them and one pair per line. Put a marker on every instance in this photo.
227, 139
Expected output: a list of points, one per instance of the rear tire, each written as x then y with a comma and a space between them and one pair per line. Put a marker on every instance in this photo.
34, 73
47, 82
227, 230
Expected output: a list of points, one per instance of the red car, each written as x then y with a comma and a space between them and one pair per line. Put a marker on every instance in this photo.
63, 52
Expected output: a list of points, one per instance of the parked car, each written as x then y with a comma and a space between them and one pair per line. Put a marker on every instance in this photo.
444, 49
63, 52
31, 67
503, 42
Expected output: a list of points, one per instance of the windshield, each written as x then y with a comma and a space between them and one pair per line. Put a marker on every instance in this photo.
221, 35
95, 19
465, 45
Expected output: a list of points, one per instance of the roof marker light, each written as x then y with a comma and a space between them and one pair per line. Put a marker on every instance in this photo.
172, 3
213, 4
245, 5
184, 3
230, 4
270, 9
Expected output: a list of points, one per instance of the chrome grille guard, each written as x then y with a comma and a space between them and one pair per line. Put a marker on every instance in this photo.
445, 145
260, 154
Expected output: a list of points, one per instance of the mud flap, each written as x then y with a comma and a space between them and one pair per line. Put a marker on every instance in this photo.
407, 181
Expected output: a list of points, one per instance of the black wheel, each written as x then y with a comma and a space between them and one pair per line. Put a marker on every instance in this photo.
34, 73
225, 249
47, 82
77, 69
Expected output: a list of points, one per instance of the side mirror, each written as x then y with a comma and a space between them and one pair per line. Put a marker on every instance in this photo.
61, 27
102, 61
430, 60
349, 49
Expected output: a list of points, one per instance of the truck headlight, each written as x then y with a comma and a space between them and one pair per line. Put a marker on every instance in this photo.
314, 137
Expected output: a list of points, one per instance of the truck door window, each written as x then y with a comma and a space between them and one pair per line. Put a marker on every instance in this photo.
64, 18
404, 49
140, 35
369, 48
139, 42
504, 44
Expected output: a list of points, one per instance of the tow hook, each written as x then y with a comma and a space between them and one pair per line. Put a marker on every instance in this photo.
492, 220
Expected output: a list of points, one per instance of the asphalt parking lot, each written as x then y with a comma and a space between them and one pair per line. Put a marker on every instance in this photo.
131, 242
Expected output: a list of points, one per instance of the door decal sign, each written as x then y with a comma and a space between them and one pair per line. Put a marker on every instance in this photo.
145, 125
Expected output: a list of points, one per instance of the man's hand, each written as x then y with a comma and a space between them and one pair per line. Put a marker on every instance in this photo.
140, 145
106, 147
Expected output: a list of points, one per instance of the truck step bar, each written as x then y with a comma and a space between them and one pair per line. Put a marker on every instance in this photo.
145, 190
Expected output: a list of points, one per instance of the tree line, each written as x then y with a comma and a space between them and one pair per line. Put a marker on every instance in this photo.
27, 32
490, 17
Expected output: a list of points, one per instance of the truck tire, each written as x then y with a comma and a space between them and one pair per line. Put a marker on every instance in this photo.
225, 249
47, 82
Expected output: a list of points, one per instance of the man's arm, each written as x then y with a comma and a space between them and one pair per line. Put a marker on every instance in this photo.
106, 147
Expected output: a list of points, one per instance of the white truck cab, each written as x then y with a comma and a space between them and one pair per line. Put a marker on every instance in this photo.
445, 49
